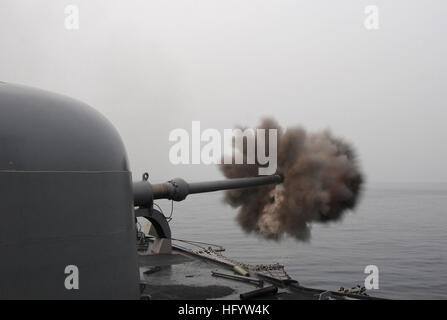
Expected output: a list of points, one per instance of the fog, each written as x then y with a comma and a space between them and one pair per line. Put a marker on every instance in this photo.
151, 66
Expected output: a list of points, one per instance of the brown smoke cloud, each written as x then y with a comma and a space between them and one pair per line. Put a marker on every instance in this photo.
322, 180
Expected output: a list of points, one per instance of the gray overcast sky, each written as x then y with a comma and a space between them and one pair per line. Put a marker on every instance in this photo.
151, 66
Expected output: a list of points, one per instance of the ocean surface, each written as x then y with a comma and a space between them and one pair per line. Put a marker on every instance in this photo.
402, 229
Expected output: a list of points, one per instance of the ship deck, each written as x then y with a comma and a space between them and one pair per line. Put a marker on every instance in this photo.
190, 275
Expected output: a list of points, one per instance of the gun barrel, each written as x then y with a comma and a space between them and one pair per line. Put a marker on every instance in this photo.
237, 183
178, 189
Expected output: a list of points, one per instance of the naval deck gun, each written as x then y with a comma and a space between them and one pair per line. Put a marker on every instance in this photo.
67, 200
178, 189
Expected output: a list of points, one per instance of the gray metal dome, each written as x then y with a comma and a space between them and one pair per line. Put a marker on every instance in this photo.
65, 200
43, 131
